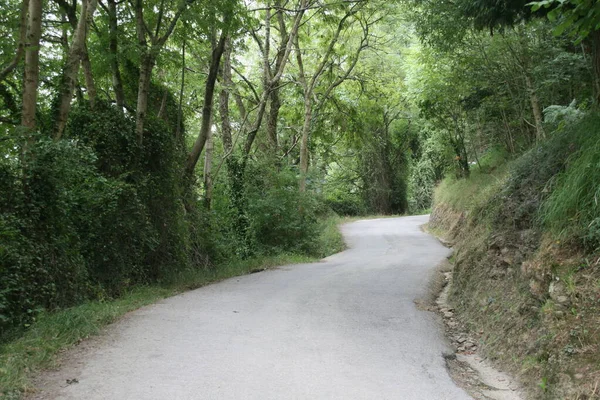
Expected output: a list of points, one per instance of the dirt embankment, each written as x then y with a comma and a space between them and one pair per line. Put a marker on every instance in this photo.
532, 305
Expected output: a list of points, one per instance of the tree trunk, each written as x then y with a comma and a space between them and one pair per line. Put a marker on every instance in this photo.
142, 97
90, 84
163, 105
20, 45
113, 44
304, 143
208, 182
540, 134
32, 61
181, 90
224, 101
71, 69
207, 107
273, 119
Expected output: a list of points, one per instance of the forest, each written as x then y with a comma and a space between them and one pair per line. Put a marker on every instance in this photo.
146, 141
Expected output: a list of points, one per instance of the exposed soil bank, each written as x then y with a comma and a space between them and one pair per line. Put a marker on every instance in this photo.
529, 304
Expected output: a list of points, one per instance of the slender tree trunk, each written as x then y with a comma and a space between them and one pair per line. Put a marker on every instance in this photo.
71, 14
540, 134
273, 119
509, 136
304, 143
207, 107
208, 181
113, 48
90, 84
163, 105
146, 68
32, 61
71, 70
224, 100
259, 117
20, 45
181, 90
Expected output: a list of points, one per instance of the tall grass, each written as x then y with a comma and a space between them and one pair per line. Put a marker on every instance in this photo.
572, 209
474, 192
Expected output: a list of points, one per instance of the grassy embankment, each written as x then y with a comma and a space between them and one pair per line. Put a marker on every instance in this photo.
36, 348
527, 266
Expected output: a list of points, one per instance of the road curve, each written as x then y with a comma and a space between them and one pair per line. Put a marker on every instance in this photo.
344, 328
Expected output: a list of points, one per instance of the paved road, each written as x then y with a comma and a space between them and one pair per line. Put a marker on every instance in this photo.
345, 328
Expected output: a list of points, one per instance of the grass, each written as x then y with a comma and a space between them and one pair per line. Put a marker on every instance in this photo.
37, 348
471, 193
572, 209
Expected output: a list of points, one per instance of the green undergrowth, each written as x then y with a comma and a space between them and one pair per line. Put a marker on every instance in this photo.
573, 208
23, 353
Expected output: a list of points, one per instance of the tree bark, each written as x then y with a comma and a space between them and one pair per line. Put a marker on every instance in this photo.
32, 61
21, 43
540, 134
113, 49
208, 105
71, 70
272, 120
90, 84
304, 143
163, 105
71, 13
141, 109
181, 90
208, 181
224, 100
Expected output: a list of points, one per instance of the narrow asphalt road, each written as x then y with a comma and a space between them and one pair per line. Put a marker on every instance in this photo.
344, 328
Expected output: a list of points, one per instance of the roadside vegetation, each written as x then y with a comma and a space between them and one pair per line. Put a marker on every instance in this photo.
149, 147
29, 351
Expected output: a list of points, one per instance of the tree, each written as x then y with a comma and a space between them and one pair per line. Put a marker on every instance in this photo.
32, 60
77, 50
309, 82
10, 67
151, 40
581, 19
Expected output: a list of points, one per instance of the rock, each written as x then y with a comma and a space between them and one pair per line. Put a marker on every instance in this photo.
507, 260
558, 292
461, 339
448, 314
537, 289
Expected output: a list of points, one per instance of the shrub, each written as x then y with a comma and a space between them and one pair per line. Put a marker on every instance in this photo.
281, 218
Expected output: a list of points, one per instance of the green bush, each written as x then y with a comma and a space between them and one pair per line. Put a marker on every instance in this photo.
421, 185
281, 218
346, 204
93, 214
